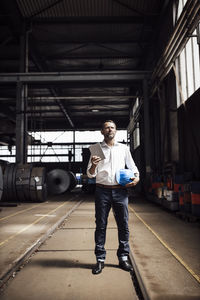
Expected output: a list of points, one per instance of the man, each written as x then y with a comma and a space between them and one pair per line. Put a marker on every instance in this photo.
110, 194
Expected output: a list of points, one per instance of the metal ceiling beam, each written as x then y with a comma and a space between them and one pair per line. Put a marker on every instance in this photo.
70, 77
40, 63
111, 40
90, 101
102, 103
84, 97
5, 111
55, 118
139, 12
95, 20
16, 24
79, 110
114, 41
45, 8
13, 17
81, 125
89, 56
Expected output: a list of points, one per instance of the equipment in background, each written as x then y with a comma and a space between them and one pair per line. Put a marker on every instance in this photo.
23, 182
59, 181
38, 188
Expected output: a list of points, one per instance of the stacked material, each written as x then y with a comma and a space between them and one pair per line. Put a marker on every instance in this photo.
59, 181
23, 182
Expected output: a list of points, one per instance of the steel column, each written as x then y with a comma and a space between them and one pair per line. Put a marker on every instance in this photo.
21, 104
147, 144
21, 125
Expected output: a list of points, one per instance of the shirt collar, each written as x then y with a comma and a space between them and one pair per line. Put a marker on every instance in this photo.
105, 145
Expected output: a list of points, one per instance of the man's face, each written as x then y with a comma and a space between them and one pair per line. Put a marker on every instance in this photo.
109, 130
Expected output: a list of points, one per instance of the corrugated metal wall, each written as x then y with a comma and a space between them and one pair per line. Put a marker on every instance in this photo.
189, 134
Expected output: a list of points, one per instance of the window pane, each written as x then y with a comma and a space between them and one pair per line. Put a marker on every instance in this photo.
196, 62
55, 152
189, 68
183, 75
136, 137
190, 74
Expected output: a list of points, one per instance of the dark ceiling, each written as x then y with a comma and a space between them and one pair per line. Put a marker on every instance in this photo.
89, 56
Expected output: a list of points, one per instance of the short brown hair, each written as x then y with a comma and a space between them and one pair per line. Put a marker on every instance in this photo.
111, 121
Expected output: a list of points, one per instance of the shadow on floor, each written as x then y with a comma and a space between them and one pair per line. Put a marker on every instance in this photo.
66, 263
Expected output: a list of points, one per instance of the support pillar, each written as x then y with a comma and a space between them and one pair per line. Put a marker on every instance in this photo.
21, 104
21, 125
147, 142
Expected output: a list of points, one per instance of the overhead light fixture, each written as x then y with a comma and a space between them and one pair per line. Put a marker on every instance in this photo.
95, 110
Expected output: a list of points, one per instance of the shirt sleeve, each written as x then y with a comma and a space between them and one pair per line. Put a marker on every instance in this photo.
130, 162
88, 167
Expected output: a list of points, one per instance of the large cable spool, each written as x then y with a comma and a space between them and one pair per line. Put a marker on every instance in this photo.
1, 182
9, 188
58, 181
11, 182
23, 176
38, 189
73, 180
3, 164
5, 184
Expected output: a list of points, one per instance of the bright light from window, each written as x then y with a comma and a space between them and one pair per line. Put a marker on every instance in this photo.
189, 70
57, 145
187, 64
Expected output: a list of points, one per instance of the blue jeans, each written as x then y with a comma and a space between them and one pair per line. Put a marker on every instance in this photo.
118, 200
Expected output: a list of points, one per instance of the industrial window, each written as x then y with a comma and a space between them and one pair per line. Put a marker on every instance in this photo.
187, 64
136, 130
58, 146
136, 137
181, 4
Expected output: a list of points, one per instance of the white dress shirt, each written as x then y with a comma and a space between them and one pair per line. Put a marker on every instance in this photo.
117, 157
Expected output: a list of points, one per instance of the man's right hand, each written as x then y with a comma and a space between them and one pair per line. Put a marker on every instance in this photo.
95, 160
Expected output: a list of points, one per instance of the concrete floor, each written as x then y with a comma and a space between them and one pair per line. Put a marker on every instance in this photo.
23, 226
61, 268
165, 250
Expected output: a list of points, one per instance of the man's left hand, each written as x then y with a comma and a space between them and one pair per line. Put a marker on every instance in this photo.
133, 183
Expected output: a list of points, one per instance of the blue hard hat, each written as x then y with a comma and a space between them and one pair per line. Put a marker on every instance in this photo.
123, 176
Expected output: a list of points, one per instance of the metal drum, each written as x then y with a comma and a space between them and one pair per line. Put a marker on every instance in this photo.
12, 194
9, 188
23, 176
5, 184
58, 181
3, 164
38, 189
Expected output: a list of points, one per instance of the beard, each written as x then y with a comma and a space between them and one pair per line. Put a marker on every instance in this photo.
110, 136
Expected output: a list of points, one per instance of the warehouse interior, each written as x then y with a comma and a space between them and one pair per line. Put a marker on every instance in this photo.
66, 66
69, 65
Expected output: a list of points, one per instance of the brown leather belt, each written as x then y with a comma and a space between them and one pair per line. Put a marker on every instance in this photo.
118, 186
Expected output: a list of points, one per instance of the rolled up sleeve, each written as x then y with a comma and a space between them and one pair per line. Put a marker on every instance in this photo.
88, 173
130, 163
